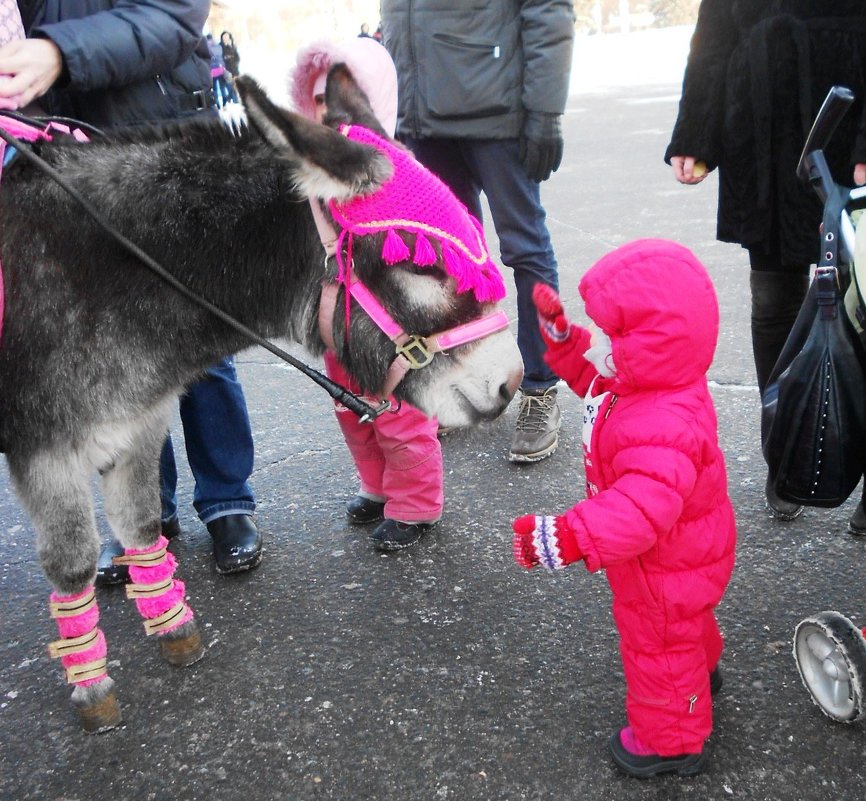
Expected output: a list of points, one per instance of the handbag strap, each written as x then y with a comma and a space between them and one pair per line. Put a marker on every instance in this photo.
830, 269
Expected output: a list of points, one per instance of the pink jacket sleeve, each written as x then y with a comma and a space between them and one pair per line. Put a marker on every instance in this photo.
566, 360
652, 472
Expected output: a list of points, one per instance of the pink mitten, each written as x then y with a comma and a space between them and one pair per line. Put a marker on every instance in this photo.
544, 540
566, 342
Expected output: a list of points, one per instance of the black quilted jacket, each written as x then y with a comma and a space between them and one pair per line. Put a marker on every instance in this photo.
472, 68
758, 71
126, 61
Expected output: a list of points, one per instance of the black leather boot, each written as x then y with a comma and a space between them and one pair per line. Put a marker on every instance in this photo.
363, 510
393, 535
108, 573
237, 543
857, 522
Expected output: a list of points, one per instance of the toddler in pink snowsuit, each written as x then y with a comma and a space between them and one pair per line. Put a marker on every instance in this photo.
657, 517
398, 457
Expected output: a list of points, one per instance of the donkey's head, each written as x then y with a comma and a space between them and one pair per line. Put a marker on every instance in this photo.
421, 321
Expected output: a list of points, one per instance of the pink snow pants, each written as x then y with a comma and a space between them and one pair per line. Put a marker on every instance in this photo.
398, 457
667, 665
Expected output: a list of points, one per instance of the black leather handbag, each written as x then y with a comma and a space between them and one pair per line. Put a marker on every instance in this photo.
813, 423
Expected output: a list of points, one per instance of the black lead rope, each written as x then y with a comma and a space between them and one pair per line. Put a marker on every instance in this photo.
361, 408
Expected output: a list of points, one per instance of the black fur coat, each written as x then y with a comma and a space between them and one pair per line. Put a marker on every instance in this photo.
757, 73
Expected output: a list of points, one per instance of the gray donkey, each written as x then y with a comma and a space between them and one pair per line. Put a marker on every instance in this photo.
95, 348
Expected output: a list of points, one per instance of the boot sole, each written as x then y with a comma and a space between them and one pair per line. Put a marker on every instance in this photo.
363, 521
784, 516
525, 458
240, 568
688, 765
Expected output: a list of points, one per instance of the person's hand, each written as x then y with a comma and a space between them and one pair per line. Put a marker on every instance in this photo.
544, 540
859, 174
31, 67
688, 170
566, 342
541, 145
551, 316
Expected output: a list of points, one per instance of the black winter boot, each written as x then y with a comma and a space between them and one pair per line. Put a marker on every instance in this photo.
857, 522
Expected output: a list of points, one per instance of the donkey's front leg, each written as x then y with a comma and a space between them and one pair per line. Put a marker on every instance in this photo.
55, 491
132, 506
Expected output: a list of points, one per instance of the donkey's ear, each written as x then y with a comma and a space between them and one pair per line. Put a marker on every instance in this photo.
324, 162
347, 103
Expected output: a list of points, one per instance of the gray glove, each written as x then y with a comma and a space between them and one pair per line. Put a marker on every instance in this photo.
541, 144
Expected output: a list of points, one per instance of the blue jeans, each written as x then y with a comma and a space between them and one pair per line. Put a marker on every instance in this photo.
219, 447
492, 166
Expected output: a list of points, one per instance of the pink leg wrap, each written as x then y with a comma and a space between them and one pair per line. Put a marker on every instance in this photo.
158, 595
81, 649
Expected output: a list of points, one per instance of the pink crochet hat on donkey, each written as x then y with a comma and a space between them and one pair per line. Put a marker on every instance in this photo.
413, 200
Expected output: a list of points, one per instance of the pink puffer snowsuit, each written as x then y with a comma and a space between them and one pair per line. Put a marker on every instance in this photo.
398, 457
658, 519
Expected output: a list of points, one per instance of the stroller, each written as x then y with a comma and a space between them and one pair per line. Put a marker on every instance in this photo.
829, 649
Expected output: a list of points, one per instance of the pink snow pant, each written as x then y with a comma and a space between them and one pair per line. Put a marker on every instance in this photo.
398, 457
667, 663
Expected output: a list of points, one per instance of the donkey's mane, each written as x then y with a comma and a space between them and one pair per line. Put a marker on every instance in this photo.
210, 133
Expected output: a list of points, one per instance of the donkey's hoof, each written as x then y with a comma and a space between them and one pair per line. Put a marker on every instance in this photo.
97, 707
102, 716
183, 646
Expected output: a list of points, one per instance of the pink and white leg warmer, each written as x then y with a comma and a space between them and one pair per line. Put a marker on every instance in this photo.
158, 595
81, 649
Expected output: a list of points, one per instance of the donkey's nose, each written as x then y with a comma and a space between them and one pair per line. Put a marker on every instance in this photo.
511, 385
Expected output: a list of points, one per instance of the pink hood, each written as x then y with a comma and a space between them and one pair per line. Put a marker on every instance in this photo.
370, 65
656, 302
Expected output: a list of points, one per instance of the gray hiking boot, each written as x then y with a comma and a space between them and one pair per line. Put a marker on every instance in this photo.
536, 434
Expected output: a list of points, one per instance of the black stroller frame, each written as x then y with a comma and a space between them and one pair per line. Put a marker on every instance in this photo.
829, 649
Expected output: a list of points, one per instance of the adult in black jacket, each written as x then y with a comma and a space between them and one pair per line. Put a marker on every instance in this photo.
122, 62
757, 73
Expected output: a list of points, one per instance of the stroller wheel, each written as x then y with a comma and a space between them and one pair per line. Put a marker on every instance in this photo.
830, 652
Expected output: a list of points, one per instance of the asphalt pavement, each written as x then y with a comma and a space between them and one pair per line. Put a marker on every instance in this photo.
445, 672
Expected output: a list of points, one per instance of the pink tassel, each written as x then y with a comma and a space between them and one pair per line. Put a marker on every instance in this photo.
490, 286
425, 254
394, 250
455, 266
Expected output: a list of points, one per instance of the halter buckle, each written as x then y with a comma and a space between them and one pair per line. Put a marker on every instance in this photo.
383, 406
413, 345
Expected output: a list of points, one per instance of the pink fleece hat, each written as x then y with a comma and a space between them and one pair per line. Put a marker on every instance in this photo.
368, 61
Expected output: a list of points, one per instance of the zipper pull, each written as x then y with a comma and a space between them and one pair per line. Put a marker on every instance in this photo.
161, 87
692, 701
613, 400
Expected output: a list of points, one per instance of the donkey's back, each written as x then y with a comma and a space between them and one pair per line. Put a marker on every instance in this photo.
92, 337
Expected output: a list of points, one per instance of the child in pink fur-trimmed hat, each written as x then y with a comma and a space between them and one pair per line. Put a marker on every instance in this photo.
398, 457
